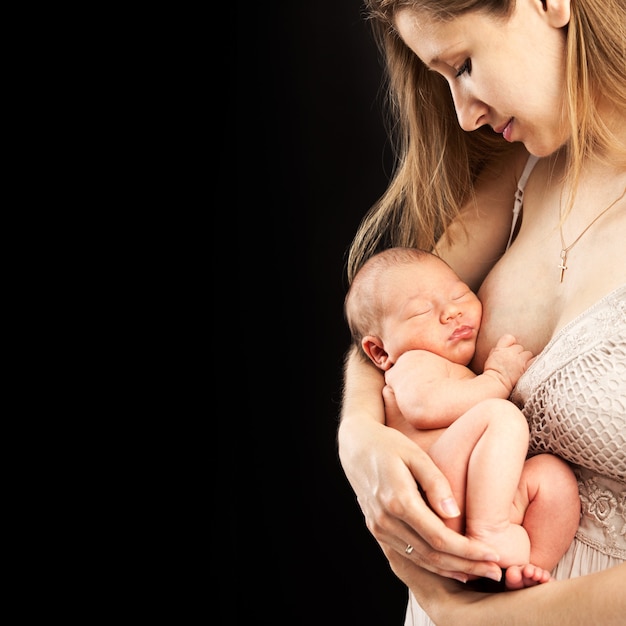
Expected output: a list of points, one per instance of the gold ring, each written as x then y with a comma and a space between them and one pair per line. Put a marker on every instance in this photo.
408, 549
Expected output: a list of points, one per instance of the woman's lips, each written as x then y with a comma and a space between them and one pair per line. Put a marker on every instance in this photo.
506, 131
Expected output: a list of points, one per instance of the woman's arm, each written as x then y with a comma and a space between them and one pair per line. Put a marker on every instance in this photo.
593, 599
384, 467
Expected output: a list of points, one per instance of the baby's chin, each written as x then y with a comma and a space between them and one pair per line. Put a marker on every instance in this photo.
465, 353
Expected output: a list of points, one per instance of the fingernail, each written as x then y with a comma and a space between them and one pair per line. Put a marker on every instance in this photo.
491, 556
497, 576
450, 508
460, 577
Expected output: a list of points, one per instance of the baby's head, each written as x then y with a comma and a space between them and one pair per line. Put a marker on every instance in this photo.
366, 302
409, 299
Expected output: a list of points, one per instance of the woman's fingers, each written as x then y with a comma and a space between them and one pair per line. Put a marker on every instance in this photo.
434, 485
401, 565
403, 518
436, 548
479, 561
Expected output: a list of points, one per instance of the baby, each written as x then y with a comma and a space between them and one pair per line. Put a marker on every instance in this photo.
418, 322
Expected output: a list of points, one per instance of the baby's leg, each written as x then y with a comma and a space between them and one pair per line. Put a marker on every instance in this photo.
548, 506
483, 454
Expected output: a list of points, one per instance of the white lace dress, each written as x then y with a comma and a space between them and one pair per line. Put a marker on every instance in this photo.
574, 398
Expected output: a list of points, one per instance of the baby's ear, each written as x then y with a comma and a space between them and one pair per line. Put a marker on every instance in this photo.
375, 350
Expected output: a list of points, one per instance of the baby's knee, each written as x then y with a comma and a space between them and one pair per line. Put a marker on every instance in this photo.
504, 414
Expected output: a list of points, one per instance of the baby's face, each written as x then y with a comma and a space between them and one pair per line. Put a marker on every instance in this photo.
427, 307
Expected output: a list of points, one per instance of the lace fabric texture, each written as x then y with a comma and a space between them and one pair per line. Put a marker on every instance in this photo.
574, 398
574, 394
603, 518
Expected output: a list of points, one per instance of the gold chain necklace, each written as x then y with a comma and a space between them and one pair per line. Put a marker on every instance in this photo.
565, 249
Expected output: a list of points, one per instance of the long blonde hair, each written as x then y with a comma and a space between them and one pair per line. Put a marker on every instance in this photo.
435, 161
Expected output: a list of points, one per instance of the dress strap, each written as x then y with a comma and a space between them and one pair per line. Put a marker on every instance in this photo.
519, 193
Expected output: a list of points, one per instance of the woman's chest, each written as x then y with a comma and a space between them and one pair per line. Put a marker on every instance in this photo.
516, 300
530, 294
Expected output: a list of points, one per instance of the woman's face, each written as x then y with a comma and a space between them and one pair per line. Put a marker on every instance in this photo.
507, 73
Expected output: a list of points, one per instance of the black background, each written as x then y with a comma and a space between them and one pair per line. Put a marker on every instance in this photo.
312, 157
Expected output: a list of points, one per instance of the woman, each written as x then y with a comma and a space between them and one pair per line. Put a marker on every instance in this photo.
477, 85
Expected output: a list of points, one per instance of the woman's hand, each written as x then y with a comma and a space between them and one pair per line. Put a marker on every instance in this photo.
384, 468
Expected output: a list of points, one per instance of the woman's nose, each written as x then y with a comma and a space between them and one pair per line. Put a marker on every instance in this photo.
470, 111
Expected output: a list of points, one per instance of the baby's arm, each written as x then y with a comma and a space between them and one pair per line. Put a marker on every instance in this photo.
432, 392
506, 363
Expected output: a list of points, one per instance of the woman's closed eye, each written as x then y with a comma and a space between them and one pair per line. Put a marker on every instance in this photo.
466, 67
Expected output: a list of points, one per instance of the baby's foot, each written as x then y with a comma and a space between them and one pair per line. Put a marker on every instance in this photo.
520, 576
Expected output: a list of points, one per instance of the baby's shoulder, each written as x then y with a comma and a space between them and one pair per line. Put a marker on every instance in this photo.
433, 365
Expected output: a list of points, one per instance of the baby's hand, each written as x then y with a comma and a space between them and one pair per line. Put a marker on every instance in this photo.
508, 360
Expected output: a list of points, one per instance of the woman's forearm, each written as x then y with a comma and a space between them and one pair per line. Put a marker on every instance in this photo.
593, 599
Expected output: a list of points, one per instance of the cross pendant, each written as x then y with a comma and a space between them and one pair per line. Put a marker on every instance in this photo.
562, 266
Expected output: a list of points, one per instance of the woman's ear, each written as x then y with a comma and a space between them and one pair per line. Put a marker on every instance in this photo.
375, 350
557, 11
